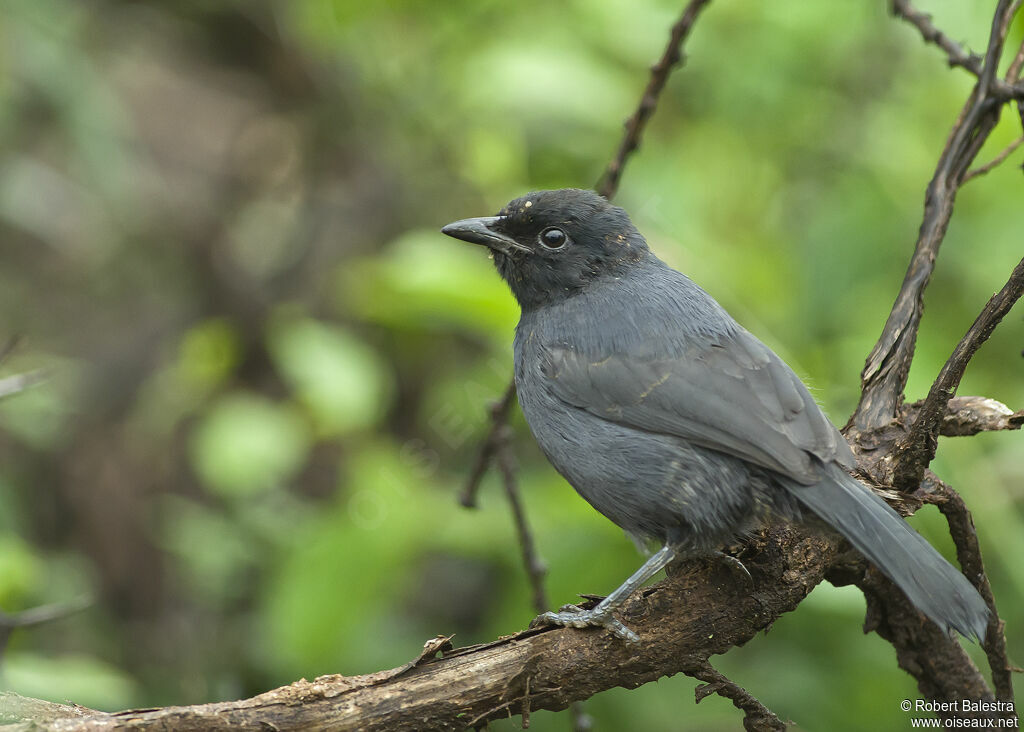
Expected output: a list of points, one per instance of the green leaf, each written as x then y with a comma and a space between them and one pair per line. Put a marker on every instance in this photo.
247, 444
340, 380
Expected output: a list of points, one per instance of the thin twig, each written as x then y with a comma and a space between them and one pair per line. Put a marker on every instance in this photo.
44, 613
1013, 72
499, 417
9, 622
997, 160
673, 55
918, 449
535, 569
923, 22
1017, 5
955, 53
756, 715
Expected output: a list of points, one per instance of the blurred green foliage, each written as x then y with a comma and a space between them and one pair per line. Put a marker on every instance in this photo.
269, 374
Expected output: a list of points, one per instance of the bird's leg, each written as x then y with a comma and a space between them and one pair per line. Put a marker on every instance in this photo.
602, 614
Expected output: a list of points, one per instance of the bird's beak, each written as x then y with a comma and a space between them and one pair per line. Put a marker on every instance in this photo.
479, 231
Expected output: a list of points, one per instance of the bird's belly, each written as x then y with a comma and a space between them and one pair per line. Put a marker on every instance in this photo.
651, 485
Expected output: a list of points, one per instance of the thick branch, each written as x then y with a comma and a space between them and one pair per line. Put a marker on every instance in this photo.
968, 553
697, 612
15, 708
939, 665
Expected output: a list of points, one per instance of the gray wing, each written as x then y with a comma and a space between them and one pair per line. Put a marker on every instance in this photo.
731, 394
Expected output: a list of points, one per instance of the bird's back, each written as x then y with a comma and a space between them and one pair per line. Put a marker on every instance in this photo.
652, 483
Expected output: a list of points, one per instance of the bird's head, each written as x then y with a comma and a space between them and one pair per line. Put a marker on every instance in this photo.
551, 245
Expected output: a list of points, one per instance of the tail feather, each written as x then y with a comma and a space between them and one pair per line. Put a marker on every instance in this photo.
931, 583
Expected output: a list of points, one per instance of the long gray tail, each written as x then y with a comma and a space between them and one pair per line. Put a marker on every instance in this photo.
931, 583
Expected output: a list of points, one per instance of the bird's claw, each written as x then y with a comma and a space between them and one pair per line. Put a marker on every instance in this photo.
571, 616
736, 566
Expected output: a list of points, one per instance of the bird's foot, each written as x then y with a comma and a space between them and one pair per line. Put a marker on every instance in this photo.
572, 616
736, 566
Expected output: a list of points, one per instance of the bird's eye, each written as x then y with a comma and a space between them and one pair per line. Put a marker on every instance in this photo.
553, 238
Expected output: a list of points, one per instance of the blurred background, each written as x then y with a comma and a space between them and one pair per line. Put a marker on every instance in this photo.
268, 373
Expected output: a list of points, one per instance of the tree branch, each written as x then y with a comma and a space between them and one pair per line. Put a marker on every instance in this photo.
15, 709
608, 185
995, 162
43, 613
700, 610
1013, 71
969, 415
499, 412
535, 569
956, 53
497, 445
756, 717
915, 453
884, 377
968, 554
9, 622
697, 612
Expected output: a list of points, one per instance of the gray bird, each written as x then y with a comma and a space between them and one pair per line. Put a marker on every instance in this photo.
671, 419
